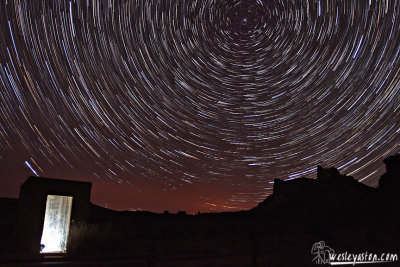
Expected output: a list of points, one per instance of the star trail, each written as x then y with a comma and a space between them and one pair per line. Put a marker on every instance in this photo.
196, 105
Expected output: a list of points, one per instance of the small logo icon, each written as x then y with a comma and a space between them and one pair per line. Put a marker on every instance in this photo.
322, 253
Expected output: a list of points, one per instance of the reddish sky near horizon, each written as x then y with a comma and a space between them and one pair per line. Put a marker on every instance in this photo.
196, 105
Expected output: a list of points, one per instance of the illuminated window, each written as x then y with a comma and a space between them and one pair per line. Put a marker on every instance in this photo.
56, 224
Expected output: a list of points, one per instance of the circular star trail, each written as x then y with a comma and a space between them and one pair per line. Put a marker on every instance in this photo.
215, 98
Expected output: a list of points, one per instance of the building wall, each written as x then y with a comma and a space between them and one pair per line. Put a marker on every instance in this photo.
32, 206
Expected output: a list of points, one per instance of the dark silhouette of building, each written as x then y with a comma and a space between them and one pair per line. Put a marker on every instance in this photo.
33, 202
333, 212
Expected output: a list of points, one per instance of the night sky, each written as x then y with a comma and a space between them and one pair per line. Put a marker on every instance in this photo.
196, 105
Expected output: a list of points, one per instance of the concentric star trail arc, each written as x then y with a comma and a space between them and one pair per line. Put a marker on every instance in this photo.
210, 96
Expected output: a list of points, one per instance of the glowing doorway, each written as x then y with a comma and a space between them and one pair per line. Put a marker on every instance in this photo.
56, 224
